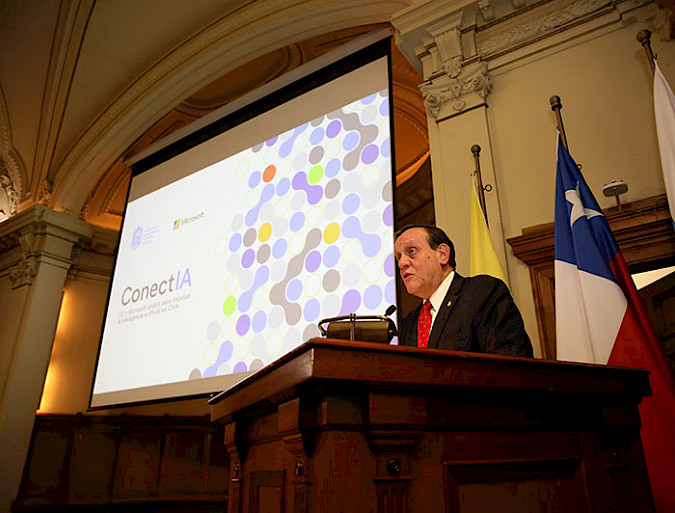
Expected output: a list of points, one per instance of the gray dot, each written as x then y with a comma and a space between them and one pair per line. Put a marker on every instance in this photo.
280, 226
292, 339
258, 346
370, 199
256, 365
276, 317
224, 369
387, 192
371, 221
195, 374
249, 237
267, 212
368, 114
332, 210
317, 121
311, 331
212, 331
300, 161
316, 155
332, 188
351, 183
263, 253
331, 305
298, 200
237, 222
331, 280
351, 275
234, 263
245, 279
278, 271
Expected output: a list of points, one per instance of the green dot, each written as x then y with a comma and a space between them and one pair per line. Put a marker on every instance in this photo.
315, 174
229, 305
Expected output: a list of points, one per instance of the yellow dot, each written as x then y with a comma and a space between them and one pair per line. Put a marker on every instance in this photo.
331, 233
264, 232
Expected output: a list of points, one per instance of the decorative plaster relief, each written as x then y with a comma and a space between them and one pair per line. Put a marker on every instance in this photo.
9, 196
44, 192
23, 272
539, 25
466, 90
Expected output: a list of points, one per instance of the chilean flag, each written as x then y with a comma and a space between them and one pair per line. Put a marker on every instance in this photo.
600, 318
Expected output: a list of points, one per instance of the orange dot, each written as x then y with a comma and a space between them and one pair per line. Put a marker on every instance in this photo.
269, 173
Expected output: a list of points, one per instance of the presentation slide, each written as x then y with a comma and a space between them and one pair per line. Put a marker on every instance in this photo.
227, 263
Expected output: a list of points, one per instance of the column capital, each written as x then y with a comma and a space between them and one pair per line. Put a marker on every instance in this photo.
458, 46
38, 234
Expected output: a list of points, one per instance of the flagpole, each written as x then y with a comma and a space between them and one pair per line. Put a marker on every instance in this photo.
556, 105
475, 149
644, 37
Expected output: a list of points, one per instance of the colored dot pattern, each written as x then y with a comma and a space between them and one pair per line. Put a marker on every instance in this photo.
320, 194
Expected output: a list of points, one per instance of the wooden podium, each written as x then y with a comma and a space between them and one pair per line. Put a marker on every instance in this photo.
338, 426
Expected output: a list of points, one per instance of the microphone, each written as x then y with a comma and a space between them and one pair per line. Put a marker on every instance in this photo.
366, 328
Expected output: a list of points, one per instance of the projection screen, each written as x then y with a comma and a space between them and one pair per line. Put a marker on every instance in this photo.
232, 250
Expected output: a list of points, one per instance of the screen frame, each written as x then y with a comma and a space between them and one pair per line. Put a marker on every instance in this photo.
227, 118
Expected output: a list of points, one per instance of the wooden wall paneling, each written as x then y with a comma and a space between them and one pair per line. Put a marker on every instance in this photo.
138, 465
46, 475
92, 464
115, 462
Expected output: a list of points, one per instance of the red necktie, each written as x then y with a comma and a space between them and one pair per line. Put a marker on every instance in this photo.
424, 325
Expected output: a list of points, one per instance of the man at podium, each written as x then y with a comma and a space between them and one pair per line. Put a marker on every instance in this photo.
463, 314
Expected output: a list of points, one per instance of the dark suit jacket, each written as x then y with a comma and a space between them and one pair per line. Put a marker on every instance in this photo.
478, 314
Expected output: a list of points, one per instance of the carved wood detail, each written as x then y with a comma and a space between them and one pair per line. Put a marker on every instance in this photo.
643, 230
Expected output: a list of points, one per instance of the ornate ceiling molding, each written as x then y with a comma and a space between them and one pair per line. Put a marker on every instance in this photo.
242, 35
12, 170
458, 45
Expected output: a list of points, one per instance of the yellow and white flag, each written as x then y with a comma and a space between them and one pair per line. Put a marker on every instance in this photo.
483, 257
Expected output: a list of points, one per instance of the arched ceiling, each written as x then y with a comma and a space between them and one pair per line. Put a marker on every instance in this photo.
105, 204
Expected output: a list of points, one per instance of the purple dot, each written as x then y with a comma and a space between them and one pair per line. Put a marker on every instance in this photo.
387, 217
369, 154
371, 245
384, 107
247, 258
270, 142
259, 321
316, 136
389, 265
297, 221
226, 350
333, 128
254, 179
385, 149
280, 247
243, 324
331, 256
351, 204
312, 310
369, 99
372, 297
313, 261
239, 367
293, 289
350, 141
390, 292
235, 242
283, 186
351, 302
332, 167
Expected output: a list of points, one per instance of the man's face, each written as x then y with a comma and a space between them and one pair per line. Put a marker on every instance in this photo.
422, 268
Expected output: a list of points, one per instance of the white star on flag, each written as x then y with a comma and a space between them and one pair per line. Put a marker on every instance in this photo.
578, 209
